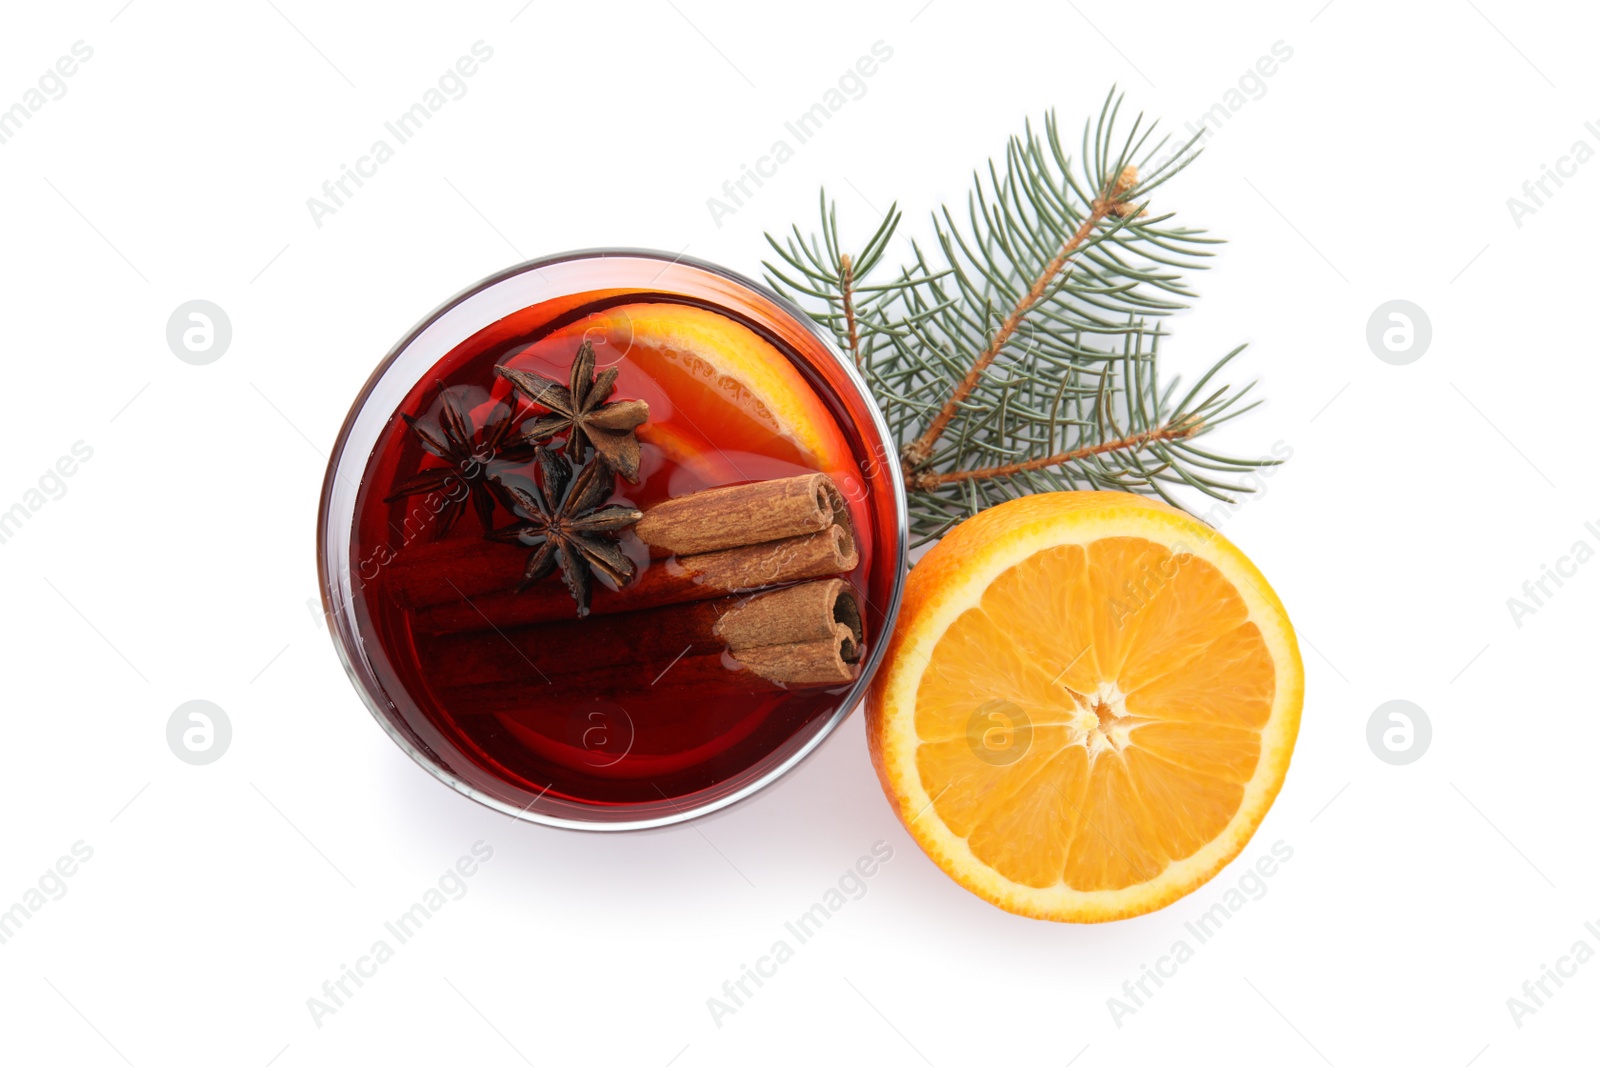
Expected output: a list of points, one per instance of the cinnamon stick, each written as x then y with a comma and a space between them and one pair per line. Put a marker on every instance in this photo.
736, 515
708, 521
813, 611
812, 663
807, 634
455, 585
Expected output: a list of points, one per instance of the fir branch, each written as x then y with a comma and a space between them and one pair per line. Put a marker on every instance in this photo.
1020, 354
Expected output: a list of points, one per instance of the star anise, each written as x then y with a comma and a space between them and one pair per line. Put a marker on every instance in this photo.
468, 456
566, 525
579, 411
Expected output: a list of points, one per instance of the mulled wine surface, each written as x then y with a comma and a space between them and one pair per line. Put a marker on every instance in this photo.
474, 619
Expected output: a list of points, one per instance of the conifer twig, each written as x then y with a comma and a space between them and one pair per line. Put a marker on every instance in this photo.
1019, 354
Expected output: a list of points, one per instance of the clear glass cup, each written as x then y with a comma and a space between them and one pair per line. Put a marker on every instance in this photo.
497, 311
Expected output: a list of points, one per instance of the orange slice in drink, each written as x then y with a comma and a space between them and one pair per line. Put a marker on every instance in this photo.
1088, 705
730, 390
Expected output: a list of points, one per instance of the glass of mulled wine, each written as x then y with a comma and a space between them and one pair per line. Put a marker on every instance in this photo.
612, 539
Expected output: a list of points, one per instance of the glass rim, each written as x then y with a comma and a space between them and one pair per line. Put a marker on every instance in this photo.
342, 626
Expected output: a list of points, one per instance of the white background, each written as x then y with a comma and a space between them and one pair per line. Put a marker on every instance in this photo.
179, 563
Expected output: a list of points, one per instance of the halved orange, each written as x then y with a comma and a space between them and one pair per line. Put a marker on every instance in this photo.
1088, 705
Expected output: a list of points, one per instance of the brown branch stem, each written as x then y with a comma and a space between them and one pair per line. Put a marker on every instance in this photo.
930, 480
847, 290
1111, 202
